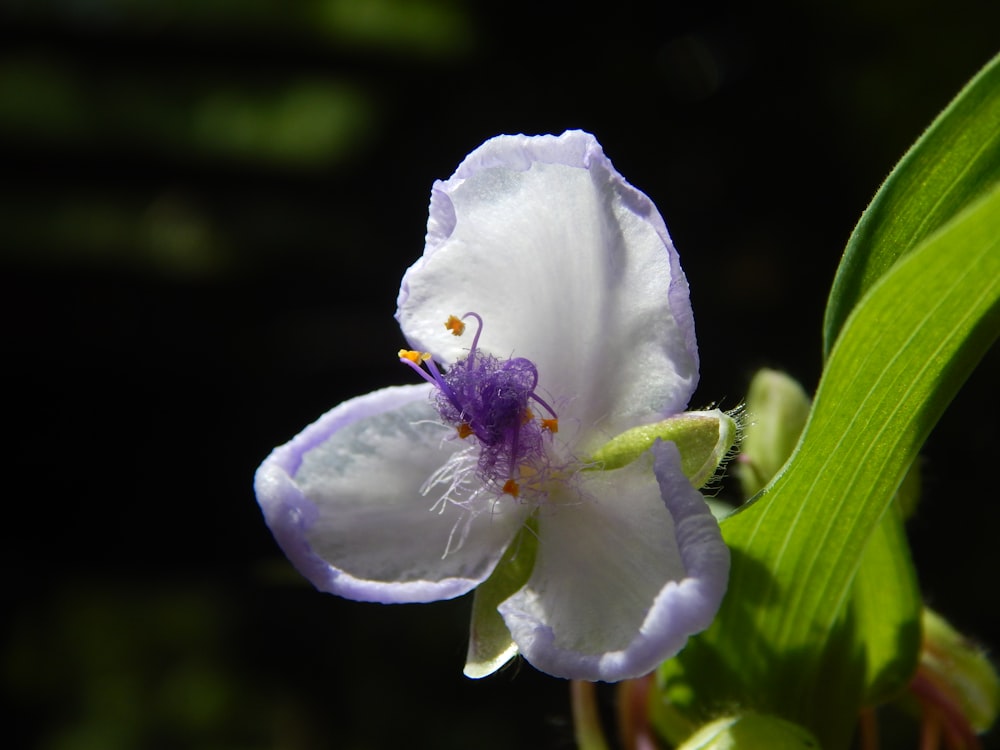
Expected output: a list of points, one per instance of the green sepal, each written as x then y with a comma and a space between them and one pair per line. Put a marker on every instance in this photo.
490, 644
704, 438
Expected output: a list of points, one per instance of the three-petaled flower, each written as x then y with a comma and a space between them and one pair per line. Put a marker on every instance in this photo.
551, 294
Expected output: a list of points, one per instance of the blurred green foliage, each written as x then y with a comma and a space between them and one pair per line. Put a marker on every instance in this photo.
126, 105
437, 28
135, 669
295, 124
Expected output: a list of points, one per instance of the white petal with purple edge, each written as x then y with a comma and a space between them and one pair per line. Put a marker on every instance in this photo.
569, 266
622, 578
343, 500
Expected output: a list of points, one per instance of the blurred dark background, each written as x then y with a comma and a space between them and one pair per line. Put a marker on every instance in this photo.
205, 210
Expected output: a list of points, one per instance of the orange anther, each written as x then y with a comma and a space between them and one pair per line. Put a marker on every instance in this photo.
527, 416
512, 488
552, 425
415, 357
455, 325
464, 430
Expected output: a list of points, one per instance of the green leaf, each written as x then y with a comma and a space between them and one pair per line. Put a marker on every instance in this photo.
953, 163
885, 611
786, 640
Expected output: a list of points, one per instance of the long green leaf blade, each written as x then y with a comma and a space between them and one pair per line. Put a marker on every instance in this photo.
885, 609
945, 170
785, 640
952, 164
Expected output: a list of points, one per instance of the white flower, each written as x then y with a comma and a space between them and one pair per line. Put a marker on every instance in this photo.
579, 327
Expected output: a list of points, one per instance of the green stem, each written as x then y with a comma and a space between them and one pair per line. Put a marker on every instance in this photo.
586, 722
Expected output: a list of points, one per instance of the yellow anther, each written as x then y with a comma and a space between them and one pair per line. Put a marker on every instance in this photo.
552, 425
511, 488
415, 357
527, 416
455, 325
464, 430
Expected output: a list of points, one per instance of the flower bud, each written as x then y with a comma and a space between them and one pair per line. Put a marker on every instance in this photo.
704, 438
751, 732
956, 673
777, 409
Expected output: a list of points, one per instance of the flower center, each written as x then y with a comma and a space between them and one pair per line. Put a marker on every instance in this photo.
491, 398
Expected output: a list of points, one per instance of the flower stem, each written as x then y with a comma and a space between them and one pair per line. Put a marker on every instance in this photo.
868, 729
634, 729
586, 721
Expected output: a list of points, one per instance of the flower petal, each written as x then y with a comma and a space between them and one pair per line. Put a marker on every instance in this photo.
343, 500
623, 577
569, 266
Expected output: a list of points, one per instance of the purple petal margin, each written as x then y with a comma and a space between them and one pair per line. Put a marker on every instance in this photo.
681, 609
574, 148
289, 514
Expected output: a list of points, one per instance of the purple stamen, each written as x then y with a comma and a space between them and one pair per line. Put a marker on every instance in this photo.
475, 339
489, 398
434, 376
415, 366
442, 383
549, 409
